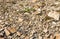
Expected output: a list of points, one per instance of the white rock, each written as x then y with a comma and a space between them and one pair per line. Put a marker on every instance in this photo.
45, 30
54, 14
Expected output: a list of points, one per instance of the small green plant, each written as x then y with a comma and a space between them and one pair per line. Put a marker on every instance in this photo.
29, 9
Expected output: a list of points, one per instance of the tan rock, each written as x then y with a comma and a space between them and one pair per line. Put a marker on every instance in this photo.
19, 33
12, 29
54, 14
7, 32
26, 37
20, 20
34, 1
57, 36
36, 12
22, 36
1, 38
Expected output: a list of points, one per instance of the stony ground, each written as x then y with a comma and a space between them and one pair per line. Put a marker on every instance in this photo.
29, 19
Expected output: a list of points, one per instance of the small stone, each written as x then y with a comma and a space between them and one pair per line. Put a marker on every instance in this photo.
54, 14
7, 32
19, 33
36, 12
34, 1
40, 37
20, 20
26, 37
1, 38
22, 36
57, 36
45, 30
12, 29
0, 21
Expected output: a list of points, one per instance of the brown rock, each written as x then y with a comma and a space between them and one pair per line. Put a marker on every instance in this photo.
12, 29
7, 32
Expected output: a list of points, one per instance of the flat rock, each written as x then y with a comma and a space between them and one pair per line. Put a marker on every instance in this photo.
20, 19
19, 33
7, 32
12, 29
26, 37
54, 14
1, 38
57, 36
34, 1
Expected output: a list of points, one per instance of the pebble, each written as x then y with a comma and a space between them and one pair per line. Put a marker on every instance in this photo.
40, 37
7, 32
54, 14
1, 38
20, 20
26, 37
34, 1
19, 33
45, 30
12, 29
57, 36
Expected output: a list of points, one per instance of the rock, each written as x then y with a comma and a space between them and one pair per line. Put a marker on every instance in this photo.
1, 38
26, 37
34, 1
7, 32
19, 33
54, 14
45, 30
22, 36
57, 36
20, 20
40, 37
12, 29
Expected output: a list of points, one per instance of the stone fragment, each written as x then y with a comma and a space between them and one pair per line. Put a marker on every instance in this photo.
1, 38
40, 37
19, 33
45, 30
34, 1
26, 37
57, 36
22, 36
12, 29
20, 20
7, 32
54, 14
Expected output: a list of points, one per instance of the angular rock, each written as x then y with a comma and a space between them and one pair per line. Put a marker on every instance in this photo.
57, 36
45, 30
7, 32
12, 29
1, 38
20, 20
26, 37
54, 14
19, 33
34, 1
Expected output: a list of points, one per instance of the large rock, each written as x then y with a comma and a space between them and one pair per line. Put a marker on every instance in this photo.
54, 14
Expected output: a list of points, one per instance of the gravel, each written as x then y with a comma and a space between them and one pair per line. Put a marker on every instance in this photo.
29, 19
